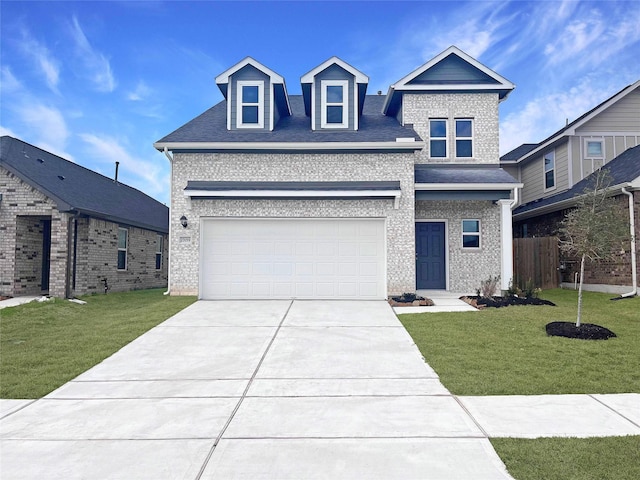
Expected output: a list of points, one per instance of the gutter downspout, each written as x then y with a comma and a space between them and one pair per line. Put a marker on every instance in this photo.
632, 228
507, 207
166, 152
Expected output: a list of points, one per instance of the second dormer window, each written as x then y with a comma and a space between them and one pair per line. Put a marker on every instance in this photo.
250, 104
335, 101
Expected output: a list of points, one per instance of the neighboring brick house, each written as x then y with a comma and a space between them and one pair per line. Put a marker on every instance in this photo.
553, 173
66, 230
339, 194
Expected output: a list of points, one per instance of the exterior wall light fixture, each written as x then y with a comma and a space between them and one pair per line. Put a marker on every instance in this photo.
183, 221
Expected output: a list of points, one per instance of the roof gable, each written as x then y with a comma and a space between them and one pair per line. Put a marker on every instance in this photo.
75, 188
358, 75
223, 78
450, 71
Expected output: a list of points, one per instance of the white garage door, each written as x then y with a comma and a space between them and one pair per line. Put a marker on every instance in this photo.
293, 258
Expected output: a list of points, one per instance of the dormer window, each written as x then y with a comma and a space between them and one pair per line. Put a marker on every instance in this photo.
335, 101
250, 104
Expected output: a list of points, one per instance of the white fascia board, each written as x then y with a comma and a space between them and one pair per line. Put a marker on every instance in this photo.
293, 193
359, 76
398, 145
466, 186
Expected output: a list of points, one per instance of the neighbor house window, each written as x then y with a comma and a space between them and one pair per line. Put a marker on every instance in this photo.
437, 138
549, 170
470, 233
464, 138
334, 103
159, 242
250, 104
594, 149
123, 241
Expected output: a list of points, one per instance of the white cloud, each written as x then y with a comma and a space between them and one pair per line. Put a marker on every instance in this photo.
96, 64
148, 176
10, 83
6, 131
141, 91
43, 59
46, 124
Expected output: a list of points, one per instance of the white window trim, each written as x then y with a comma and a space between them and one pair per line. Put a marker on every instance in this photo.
474, 234
544, 172
240, 103
125, 249
344, 104
599, 140
446, 137
456, 138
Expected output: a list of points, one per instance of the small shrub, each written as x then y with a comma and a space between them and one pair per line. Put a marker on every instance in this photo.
489, 287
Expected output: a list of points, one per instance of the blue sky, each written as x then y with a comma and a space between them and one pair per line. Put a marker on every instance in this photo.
96, 82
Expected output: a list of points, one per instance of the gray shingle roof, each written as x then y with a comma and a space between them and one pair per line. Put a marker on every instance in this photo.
75, 188
518, 152
457, 174
624, 168
211, 126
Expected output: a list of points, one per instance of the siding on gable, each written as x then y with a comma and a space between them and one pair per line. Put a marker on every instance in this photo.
334, 72
249, 72
623, 116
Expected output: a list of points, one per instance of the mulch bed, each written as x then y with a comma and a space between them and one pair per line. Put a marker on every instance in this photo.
586, 331
497, 302
410, 300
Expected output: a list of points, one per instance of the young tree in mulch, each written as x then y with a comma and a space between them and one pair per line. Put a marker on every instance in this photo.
595, 230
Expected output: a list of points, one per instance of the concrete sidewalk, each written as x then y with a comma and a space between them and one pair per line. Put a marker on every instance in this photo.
278, 389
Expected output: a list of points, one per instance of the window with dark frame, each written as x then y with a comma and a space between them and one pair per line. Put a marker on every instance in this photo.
549, 170
159, 242
123, 240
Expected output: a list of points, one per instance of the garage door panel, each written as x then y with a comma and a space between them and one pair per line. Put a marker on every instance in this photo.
287, 258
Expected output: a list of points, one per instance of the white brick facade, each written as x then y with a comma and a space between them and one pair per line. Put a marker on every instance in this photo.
418, 108
293, 167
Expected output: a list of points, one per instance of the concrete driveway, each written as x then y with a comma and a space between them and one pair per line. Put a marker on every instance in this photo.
270, 389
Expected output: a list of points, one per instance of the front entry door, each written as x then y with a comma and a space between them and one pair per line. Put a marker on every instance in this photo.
430, 256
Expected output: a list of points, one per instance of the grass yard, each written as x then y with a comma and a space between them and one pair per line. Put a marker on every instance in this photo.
609, 458
44, 345
506, 351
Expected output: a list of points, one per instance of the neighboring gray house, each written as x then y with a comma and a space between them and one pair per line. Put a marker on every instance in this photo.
339, 194
66, 230
553, 170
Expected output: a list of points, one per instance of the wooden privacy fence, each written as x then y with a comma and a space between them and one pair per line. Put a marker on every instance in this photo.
536, 259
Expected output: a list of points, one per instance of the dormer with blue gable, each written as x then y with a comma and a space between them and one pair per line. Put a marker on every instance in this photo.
256, 96
334, 94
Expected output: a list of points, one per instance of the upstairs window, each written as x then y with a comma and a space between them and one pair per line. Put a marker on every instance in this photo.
123, 240
438, 138
549, 170
470, 233
464, 138
335, 101
250, 104
159, 242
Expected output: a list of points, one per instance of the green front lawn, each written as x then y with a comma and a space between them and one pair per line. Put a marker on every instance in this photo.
44, 345
506, 351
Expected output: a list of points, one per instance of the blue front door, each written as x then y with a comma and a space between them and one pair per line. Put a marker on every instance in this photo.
430, 256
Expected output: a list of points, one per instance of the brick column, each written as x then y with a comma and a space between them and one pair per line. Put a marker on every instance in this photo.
59, 254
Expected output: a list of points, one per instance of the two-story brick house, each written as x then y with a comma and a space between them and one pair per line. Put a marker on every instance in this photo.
338, 194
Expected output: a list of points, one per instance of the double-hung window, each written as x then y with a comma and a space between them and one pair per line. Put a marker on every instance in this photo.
123, 241
549, 170
250, 104
334, 98
437, 138
464, 138
470, 233
159, 242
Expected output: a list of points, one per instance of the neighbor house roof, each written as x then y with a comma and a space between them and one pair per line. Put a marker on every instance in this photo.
77, 189
209, 132
624, 170
527, 150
